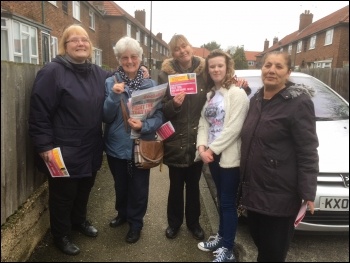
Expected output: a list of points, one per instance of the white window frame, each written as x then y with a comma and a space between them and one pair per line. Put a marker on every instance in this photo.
145, 42
96, 56
299, 46
128, 30
53, 2
6, 47
329, 37
323, 63
138, 34
91, 19
157, 46
54, 46
312, 42
76, 10
290, 47
20, 55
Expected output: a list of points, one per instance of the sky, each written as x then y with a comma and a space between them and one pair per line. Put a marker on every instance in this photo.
229, 24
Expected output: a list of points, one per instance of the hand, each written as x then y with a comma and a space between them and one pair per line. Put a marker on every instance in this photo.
118, 87
242, 83
179, 99
311, 206
207, 156
145, 72
46, 156
135, 124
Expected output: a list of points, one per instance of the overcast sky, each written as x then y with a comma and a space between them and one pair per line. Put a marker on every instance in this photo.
229, 23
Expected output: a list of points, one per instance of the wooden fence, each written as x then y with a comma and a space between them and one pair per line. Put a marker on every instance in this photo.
19, 178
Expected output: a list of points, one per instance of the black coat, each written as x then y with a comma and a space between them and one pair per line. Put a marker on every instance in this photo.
279, 161
66, 108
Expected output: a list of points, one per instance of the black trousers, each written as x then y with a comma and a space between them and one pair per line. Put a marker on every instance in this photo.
175, 210
272, 236
68, 199
131, 191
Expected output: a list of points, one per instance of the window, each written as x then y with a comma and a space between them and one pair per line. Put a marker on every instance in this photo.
145, 41
156, 46
97, 56
250, 63
281, 49
323, 63
45, 47
91, 19
128, 30
138, 35
53, 2
76, 10
65, 7
299, 46
329, 37
312, 42
54, 47
5, 47
290, 47
25, 43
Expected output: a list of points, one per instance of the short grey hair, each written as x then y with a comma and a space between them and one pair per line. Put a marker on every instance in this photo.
127, 43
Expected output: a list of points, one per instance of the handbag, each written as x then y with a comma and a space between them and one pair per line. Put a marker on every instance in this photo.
147, 154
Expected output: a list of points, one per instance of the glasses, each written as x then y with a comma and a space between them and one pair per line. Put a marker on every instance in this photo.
77, 40
132, 57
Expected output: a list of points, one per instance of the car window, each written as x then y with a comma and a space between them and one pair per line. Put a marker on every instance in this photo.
328, 106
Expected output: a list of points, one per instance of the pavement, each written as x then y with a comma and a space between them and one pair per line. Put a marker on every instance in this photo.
153, 246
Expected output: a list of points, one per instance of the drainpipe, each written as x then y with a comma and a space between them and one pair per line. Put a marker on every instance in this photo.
42, 13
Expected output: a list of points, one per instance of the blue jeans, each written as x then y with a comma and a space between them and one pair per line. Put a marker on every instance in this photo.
226, 181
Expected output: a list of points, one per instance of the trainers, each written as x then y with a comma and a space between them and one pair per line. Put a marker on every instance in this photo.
213, 243
224, 255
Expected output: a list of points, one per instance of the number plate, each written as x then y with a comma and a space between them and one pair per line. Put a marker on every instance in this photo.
330, 203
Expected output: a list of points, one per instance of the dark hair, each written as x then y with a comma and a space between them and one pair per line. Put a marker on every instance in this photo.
230, 69
286, 56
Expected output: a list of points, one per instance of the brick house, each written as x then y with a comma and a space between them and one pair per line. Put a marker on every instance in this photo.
251, 58
30, 30
322, 44
200, 52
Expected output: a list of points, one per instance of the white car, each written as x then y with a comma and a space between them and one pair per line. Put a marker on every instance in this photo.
332, 124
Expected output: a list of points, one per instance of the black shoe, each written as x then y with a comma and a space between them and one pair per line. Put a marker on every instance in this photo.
133, 236
118, 221
87, 229
197, 232
171, 232
66, 246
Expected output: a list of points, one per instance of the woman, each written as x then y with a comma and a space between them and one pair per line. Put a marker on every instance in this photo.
66, 111
219, 143
279, 162
131, 183
179, 150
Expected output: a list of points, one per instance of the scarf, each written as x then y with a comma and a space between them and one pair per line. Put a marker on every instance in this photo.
133, 84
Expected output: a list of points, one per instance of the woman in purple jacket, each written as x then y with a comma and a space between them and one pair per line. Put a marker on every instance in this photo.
279, 158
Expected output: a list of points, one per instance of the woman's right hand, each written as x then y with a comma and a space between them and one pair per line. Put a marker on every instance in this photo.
179, 99
46, 156
118, 87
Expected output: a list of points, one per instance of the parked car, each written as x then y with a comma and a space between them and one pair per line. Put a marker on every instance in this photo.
332, 124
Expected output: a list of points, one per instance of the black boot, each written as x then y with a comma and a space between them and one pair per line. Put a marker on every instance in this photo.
66, 245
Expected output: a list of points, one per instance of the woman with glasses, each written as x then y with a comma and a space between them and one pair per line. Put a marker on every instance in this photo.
131, 183
66, 111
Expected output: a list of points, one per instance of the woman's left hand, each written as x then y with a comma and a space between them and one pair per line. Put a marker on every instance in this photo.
311, 206
145, 72
135, 124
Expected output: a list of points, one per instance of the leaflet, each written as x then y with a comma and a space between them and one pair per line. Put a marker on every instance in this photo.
165, 131
183, 82
301, 214
56, 166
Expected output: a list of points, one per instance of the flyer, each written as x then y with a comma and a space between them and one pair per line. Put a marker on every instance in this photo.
56, 166
183, 82
165, 131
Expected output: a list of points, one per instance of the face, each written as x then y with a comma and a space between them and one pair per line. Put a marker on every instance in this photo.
217, 69
78, 47
183, 53
130, 62
275, 72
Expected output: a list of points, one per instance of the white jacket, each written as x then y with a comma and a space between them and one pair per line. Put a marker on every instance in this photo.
236, 105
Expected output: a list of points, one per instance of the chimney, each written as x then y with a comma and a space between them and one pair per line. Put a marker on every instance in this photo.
140, 16
275, 40
160, 36
305, 20
266, 45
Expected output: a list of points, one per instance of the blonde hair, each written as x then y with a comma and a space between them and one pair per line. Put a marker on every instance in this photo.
175, 40
70, 30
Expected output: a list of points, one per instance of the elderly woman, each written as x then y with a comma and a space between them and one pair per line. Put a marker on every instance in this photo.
131, 183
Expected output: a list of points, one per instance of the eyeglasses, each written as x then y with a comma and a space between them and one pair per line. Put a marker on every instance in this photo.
77, 40
132, 57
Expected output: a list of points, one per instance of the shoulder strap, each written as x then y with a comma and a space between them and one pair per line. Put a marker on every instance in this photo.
124, 111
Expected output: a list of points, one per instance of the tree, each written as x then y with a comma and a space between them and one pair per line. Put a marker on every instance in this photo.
211, 46
240, 59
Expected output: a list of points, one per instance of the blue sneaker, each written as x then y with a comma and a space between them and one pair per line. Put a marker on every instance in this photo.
213, 243
224, 255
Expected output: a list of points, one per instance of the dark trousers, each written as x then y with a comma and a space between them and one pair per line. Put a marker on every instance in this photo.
272, 236
131, 191
68, 199
175, 210
226, 181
